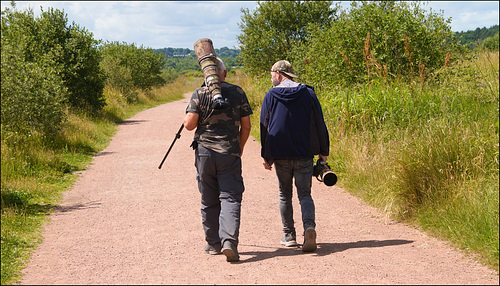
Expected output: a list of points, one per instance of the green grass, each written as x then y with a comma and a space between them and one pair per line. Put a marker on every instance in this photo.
37, 170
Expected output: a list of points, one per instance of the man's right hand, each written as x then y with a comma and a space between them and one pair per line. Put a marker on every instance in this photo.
324, 158
267, 166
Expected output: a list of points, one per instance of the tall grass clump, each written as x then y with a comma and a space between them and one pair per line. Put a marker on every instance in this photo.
448, 181
427, 154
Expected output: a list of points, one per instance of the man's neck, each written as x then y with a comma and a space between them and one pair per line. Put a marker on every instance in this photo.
288, 83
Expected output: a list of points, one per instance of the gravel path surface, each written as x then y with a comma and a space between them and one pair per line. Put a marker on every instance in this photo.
127, 222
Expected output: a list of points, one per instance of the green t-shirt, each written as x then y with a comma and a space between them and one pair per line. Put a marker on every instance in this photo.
221, 131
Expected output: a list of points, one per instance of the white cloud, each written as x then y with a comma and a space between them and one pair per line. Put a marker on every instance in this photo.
467, 15
153, 24
159, 24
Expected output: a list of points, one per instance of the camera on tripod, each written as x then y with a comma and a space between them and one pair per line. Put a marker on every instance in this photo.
323, 173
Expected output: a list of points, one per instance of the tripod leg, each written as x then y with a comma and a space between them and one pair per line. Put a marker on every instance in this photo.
177, 136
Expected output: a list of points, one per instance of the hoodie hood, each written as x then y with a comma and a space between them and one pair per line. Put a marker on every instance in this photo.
287, 94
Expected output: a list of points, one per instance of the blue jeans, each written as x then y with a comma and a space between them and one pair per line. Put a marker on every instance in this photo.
221, 187
301, 170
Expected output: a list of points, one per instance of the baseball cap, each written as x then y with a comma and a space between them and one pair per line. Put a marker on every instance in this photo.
284, 67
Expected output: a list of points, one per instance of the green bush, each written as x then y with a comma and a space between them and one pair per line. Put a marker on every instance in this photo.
33, 95
128, 68
491, 43
376, 40
83, 76
46, 67
270, 33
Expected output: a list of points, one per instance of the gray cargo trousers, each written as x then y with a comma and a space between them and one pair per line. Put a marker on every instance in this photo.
221, 186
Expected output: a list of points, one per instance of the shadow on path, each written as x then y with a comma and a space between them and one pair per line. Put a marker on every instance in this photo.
132, 122
76, 207
323, 249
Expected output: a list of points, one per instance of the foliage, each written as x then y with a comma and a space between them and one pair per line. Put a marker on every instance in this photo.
128, 68
377, 39
172, 52
491, 43
182, 64
271, 32
83, 76
223, 52
46, 66
471, 38
33, 94
183, 61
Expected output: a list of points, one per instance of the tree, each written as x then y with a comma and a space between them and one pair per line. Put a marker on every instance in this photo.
491, 43
75, 51
46, 67
83, 77
33, 92
270, 33
382, 39
128, 67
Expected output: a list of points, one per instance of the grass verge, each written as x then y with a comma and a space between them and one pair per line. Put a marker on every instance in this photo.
37, 170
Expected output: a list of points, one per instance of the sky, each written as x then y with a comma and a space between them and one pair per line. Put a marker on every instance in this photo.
178, 24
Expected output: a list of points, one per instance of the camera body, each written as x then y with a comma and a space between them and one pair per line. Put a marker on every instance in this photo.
220, 102
324, 174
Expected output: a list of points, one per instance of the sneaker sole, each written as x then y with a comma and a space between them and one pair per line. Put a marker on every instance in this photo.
309, 240
213, 252
231, 255
289, 244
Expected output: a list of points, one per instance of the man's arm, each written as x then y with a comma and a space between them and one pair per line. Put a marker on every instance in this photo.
191, 120
245, 127
321, 129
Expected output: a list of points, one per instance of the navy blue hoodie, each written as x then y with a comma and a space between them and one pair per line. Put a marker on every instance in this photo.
292, 124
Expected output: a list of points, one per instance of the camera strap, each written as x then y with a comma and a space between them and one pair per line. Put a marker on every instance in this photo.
194, 145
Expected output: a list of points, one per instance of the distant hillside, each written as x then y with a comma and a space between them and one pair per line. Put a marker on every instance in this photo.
472, 37
183, 60
223, 52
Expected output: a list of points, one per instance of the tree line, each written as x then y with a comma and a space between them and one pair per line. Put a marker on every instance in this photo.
223, 52
183, 60
472, 38
49, 67
328, 44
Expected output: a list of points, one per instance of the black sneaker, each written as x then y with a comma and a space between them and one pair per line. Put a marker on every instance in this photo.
230, 252
289, 239
309, 240
212, 250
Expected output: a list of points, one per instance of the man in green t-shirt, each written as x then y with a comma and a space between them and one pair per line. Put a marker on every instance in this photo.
218, 143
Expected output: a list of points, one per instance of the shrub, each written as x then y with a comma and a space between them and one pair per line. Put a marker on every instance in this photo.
376, 39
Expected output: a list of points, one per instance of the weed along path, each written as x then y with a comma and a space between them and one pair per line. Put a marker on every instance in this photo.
127, 222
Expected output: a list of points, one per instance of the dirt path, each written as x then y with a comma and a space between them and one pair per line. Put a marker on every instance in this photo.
127, 222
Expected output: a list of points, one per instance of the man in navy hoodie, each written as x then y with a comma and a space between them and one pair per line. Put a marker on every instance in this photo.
292, 131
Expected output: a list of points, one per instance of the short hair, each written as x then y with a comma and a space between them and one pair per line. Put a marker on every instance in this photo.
220, 65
